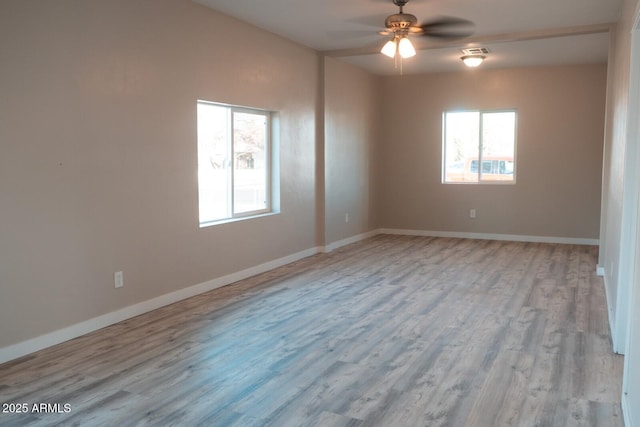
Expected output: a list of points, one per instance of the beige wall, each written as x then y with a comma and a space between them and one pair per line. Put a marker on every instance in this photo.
614, 162
559, 152
620, 230
351, 129
618, 171
98, 153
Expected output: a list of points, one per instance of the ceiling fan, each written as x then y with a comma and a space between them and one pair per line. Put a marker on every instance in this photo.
401, 25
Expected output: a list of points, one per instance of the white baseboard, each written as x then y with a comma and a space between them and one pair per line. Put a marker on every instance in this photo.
56, 337
626, 411
349, 240
611, 315
490, 236
61, 335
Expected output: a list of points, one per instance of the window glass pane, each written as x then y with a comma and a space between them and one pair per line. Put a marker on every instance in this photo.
498, 145
234, 175
479, 146
214, 166
462, 133
250, 162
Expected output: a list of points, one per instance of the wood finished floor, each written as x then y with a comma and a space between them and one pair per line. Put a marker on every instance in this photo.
391, 331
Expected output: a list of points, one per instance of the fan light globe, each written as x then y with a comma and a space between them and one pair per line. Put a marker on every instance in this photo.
473, 60
389, 49
405, 48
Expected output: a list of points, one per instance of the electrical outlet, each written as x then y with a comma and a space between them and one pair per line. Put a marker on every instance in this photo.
118, 279
472, 213
346, 217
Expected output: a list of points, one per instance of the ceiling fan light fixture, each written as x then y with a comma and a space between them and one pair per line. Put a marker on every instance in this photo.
405, 48
473, 60
400, 25
389, 48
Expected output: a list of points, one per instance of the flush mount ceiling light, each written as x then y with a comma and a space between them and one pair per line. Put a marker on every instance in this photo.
473, 60
474, 56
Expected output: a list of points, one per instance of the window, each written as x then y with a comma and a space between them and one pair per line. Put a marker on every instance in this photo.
479, 147
233, 162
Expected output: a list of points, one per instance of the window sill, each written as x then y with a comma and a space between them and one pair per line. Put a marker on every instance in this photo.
481, 183
237, 219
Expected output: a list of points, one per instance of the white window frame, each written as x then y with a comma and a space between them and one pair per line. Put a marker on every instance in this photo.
231, 215
480, 147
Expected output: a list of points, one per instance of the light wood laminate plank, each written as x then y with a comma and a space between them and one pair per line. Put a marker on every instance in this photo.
390, 331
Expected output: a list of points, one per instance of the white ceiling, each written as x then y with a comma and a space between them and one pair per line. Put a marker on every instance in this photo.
517, 32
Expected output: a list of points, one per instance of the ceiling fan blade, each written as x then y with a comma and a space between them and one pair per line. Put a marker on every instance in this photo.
447, 28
